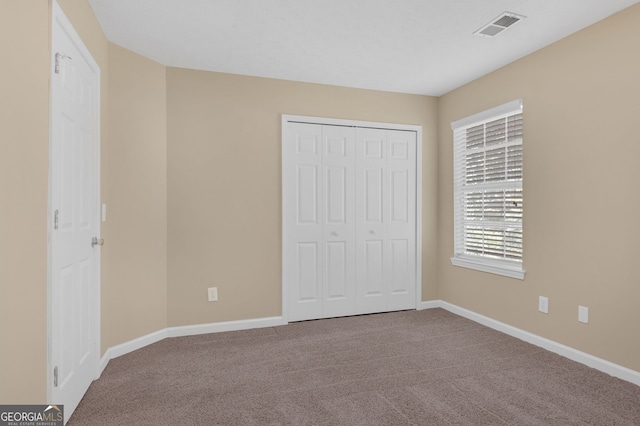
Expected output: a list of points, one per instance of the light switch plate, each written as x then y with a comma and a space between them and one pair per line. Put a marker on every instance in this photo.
583, 314
543, 304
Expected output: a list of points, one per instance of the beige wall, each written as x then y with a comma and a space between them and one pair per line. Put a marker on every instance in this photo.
134, 295
581, 150
224, 184
24, 142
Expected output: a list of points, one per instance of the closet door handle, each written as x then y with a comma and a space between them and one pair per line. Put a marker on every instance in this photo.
334, 234
372, 232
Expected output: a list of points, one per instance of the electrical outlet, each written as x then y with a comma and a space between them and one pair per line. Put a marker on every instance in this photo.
543, 304
212, 293
583, 314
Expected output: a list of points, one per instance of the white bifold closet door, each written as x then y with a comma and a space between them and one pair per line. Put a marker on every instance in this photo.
385, 220
350, 204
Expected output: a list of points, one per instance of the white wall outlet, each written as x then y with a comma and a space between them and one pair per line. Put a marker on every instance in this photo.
543, 304
583, 314
212, 293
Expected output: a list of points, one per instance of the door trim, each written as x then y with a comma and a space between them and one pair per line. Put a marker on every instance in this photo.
58, 16
288, 118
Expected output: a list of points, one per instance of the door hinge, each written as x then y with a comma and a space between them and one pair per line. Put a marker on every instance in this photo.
56, 219
55, 377
60, 56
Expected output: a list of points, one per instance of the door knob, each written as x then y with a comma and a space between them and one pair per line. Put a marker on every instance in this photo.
95, 241
372, 232
334, 233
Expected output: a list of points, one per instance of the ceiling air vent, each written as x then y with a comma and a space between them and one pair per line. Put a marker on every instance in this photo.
499, 24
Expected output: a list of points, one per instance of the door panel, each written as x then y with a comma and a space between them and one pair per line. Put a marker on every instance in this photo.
336, 195
371, 213
399, 266
373, 144
336, 270
385, 243
308, 272
373, 192
85, 181
304, 255
399, 196
74, 174
402, 224
373, 268
399, 149
307, 199
339, 226
336, 141
307, 142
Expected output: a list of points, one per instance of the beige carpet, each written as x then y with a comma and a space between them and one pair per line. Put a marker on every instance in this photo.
403, 368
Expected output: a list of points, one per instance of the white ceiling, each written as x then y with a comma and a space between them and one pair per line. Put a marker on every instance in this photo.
424, 47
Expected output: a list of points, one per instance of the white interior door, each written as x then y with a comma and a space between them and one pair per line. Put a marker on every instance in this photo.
303, 253
74, 198
338, 226
386, 219
320, 247
372, 212
350, 228
401, 225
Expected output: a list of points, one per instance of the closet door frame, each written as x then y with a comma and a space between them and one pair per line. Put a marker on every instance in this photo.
286, 119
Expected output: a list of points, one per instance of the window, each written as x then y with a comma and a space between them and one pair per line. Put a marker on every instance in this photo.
488, 205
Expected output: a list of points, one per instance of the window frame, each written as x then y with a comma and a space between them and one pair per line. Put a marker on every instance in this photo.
504, 267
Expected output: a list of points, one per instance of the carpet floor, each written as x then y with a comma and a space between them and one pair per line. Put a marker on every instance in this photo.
426, 367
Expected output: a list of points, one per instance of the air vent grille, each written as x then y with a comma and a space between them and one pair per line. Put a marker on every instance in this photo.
499, 24
506, 21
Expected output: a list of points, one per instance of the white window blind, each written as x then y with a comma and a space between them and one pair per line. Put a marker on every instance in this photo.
488, 201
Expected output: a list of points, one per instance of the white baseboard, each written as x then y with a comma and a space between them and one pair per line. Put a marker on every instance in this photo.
187, 330
429, 304
217, 327
130, 346
600, 364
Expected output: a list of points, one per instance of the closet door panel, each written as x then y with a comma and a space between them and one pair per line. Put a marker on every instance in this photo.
338, 233
307, 268
372, 213
373, 280
401, 166
304, 254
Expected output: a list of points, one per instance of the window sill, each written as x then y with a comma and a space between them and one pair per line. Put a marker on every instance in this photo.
490, 267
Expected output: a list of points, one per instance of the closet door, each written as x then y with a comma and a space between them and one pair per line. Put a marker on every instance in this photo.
339, 230
401, 226
350, 220
372, 212
320, 245
304, 254
385, 220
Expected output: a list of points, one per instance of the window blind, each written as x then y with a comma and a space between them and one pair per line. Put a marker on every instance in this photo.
488, 172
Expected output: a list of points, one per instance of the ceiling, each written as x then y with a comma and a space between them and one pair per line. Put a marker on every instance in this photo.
424, 47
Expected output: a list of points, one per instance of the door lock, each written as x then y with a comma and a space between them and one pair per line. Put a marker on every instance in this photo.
95, 241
